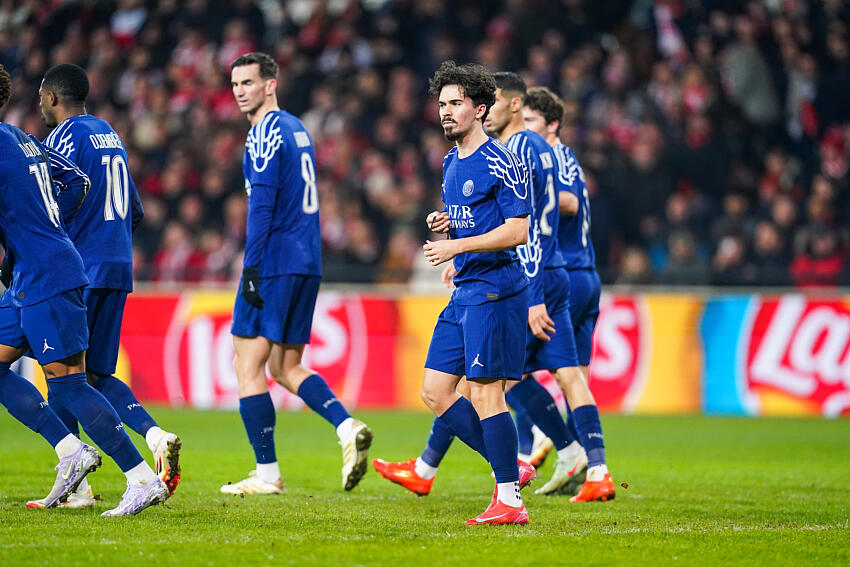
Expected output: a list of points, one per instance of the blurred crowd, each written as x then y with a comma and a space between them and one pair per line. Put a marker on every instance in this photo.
714, 134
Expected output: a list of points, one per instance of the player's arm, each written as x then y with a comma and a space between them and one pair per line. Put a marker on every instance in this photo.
512, 233
570, 182
260, 216
137, 212
567, 203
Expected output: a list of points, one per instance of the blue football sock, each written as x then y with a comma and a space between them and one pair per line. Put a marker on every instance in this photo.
438, 443
97, 417
501, 441
542, 410
571, 427
125, 403
465, 423
590, 433
523, 423
63, 414
259, 417
319, 398
24, 402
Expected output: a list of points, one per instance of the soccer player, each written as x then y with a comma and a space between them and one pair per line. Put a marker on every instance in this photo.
280, 280
541, 261
44, 309
542, 113
101, 230
480, 333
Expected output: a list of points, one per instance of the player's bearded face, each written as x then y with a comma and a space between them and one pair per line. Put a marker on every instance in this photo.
46, 115
500, 114
457, 112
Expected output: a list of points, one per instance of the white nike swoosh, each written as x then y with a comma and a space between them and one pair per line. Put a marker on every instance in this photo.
482, 520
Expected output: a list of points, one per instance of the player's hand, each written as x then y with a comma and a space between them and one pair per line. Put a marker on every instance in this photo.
449, 272
251, 287
440, 251
6, 273
540, 322
438, 221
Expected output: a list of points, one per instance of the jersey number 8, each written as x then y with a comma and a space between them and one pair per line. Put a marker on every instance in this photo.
310, 202
117, 187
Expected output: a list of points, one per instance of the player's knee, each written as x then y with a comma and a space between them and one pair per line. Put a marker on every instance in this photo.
431, 395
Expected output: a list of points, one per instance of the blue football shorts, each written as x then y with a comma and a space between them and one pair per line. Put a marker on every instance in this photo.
585, 289
54, 329
105, 311
481, 341
560, 350
287, 315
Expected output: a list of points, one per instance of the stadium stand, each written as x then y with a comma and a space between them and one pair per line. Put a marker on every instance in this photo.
714, 134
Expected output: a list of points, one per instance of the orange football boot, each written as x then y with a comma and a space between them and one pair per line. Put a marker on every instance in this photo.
500, 513
404, 473
596, 490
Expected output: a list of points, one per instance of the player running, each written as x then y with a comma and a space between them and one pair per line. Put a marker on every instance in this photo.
101, 230
542, 113
280, 280
44, 309
480, 332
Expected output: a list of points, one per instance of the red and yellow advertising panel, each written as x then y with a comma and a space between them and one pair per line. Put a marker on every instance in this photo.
176, 349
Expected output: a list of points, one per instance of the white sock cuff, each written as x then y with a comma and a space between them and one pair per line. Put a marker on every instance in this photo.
343, 430
153, 436
67, 445
268, 472
425, 470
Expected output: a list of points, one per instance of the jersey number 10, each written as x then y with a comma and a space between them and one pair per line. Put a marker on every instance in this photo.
42, 177
117, 187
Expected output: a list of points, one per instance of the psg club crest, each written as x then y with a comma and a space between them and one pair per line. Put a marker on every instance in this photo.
468, 187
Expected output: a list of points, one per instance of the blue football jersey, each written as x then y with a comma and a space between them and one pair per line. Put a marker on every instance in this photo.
46, 264
480, 192
282, 232
574, 231
102, 228
542, 250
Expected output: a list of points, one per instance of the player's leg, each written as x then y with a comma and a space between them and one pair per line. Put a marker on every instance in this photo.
500, 439
288, 320
494, 337
25, 403
105, 311
258, 416
59, 326
598, 485
524, 427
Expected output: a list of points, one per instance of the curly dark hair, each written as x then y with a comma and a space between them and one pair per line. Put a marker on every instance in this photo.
474, 81
5, 86
268, 66
546, 103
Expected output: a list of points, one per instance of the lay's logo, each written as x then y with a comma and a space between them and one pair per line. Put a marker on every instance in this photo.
797, 356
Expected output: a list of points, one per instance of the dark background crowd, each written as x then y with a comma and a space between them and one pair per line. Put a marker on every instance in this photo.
714, 134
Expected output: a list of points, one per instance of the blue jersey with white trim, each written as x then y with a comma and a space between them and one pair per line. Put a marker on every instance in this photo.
46, 264
541, 252
574, 231
480, 192
282, 232
102, 229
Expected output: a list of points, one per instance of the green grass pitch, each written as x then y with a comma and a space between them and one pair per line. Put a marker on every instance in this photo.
701, 491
